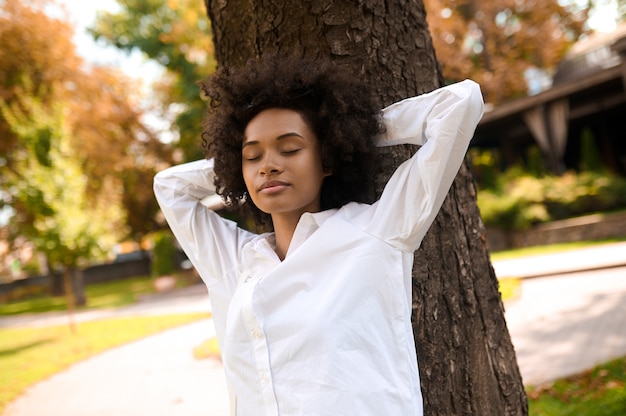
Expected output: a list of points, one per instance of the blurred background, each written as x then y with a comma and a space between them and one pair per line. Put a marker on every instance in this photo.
96, 97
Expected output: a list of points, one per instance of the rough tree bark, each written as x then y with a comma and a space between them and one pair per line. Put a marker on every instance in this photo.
467, 362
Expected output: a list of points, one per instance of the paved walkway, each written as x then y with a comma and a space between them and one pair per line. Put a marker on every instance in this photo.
565, 324
560, 325
590, 258
156, 376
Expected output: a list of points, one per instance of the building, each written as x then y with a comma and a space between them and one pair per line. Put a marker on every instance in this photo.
587, 97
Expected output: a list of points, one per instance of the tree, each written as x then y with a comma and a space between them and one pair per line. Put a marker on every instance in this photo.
495, 43
108, 133
467, 362
49, 188
45, 63
117, 153
173, 33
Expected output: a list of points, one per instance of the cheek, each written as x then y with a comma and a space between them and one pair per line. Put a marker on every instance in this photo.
247, 177
320, 169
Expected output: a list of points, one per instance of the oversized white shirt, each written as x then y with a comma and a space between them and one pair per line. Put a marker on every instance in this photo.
327, 331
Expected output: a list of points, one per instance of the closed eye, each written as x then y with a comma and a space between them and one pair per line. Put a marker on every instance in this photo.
251, 153
290, 151
251, 156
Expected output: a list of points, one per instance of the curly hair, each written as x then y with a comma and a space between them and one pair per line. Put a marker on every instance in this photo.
339, 109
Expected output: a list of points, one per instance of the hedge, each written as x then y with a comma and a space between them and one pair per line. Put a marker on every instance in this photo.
518, 200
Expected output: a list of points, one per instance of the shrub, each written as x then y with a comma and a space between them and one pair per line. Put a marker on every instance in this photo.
519, 200
164, 252
510, 211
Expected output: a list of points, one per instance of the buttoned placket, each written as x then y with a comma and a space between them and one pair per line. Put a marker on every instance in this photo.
260, 346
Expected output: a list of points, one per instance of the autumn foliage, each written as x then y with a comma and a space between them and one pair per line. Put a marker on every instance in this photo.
77, 157
496, 42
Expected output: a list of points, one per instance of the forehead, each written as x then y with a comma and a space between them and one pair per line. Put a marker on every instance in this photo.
275, 122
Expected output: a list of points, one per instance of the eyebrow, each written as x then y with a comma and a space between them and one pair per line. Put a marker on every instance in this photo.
282, 136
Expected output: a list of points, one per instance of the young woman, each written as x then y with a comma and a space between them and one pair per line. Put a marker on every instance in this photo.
314, 318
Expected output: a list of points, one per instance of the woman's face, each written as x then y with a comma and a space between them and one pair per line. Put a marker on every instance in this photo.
281, 163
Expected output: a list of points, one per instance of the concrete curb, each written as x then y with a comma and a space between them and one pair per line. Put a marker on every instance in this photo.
598, 257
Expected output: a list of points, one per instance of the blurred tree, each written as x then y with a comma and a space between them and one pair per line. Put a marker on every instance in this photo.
500, 43
174, 33
49, 191
35, 48
115, 151
109, 134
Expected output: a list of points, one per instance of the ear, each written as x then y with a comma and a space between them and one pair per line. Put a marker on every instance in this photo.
327, 170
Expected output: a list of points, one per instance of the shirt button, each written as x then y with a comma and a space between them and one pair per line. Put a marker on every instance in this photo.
265, 378
257, 333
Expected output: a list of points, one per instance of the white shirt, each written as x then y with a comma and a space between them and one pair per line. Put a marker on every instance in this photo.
328, 330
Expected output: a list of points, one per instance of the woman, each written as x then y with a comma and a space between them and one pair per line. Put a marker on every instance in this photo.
314, 317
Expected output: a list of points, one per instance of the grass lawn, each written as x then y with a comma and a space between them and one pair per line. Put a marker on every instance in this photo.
28, 355
598, 392
99, 295
548, 249
509, 288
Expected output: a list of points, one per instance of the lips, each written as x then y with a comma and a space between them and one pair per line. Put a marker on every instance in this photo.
273, 186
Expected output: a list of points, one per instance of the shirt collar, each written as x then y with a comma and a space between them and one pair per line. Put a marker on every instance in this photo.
308, 224
319, 217
264, 246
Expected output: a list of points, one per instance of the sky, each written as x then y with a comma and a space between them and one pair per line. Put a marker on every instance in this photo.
83, 14
603, 19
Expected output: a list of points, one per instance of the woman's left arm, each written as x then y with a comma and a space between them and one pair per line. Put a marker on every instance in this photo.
443, 122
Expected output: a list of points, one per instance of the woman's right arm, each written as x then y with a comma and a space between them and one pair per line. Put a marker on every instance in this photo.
186, 195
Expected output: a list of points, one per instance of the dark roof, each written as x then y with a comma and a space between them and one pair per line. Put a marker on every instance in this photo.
591, 86
589, 56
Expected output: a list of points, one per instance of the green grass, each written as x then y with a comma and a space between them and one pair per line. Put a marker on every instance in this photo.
509, 288
112, 294
29, 355
209, 349
598, 392
548, 249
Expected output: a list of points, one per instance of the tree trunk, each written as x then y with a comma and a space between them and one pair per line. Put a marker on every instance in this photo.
56, 283
467, 362
70, 299
78, 284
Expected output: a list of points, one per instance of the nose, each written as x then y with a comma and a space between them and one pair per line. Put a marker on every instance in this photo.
270, 165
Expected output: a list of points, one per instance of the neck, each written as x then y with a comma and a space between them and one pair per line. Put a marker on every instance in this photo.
284, 228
